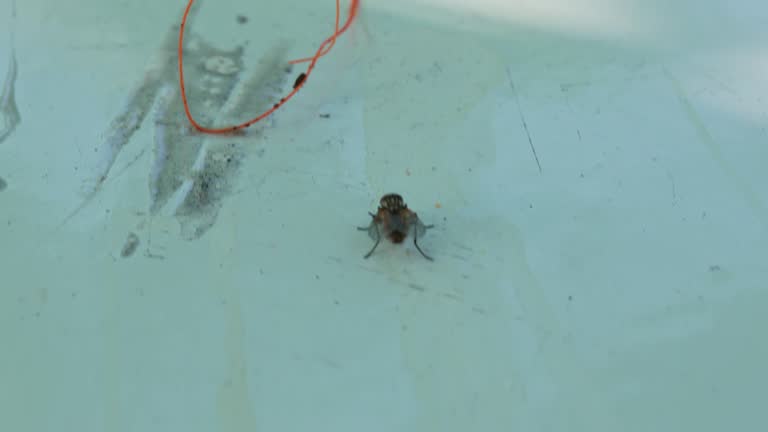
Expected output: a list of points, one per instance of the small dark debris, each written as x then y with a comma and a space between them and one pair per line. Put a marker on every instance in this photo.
325, 116
714, 268
3, 184
131, 243
299, 80
530, 205
570, 298
242, 19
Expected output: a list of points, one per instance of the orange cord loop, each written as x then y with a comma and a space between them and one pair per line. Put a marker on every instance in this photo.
324, 49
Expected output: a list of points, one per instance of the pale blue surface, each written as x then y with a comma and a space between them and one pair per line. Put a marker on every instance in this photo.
621, 287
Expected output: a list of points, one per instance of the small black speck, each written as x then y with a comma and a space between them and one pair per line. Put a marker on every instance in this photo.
325, 116
242, 19
570, 298
530, 205
714, 268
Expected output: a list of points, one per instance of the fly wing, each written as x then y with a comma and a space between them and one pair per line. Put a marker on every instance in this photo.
420, 228
373, 231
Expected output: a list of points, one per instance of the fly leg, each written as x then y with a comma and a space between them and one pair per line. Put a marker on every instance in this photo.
378, 239
378, 234
416, 238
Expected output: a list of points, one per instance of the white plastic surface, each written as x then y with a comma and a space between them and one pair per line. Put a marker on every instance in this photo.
596, 172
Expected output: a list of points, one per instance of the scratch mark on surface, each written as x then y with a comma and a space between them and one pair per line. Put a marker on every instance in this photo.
522, 119
674, 190
8, 109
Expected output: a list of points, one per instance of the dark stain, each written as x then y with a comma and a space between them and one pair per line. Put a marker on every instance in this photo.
3, 184
451, 297
131, 243
415, 287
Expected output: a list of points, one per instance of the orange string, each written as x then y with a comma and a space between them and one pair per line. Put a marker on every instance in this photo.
325, 47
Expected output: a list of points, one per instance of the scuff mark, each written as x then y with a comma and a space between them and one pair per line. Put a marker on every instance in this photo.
8, 109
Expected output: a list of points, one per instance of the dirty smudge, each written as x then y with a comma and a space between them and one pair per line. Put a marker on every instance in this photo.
128, 121
176, 149
191, 173
214, 173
